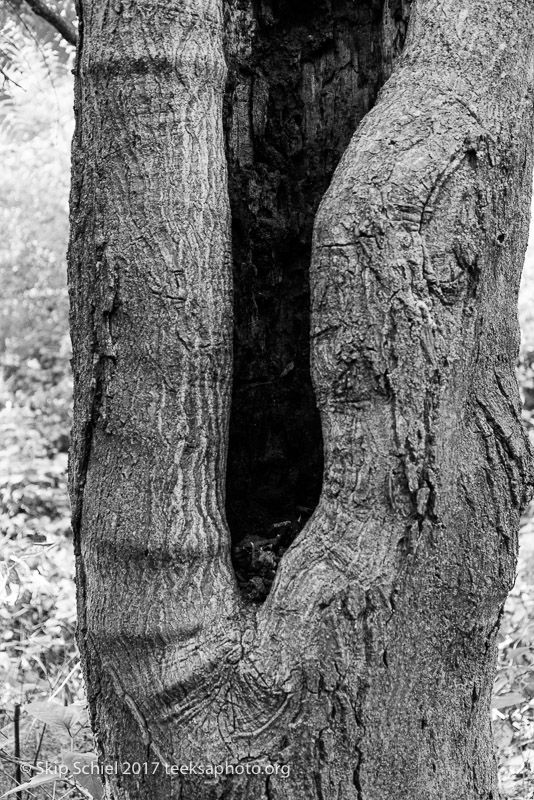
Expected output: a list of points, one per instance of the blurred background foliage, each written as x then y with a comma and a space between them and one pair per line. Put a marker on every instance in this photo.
38, 656
35, 131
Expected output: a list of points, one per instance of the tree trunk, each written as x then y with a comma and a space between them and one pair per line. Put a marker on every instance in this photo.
367, 672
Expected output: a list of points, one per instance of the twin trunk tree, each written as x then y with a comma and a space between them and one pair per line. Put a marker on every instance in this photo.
207, 134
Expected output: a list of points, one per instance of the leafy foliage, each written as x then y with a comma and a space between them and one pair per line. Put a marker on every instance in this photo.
35, 130
16, 15
41, 695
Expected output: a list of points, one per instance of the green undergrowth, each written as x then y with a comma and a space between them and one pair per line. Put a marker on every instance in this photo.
38, 658
43, 720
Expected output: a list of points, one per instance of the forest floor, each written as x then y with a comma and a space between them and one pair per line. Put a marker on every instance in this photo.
39, 662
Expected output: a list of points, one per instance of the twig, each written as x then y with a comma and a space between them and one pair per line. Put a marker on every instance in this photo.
67, 679
61, 25
36, 759
16, 725
8, 79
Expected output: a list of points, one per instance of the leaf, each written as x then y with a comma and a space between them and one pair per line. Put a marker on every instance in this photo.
82, 768
507, 700
518, 652
5, 662
55, 714
503, 733
47, 711
74, 715
37, 780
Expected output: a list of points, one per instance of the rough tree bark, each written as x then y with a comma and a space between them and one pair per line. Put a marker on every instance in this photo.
368, 669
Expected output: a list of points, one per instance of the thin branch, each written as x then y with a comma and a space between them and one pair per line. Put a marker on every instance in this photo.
7, 79
61, 25
16, 723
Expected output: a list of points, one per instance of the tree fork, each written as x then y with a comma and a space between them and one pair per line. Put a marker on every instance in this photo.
369, 667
